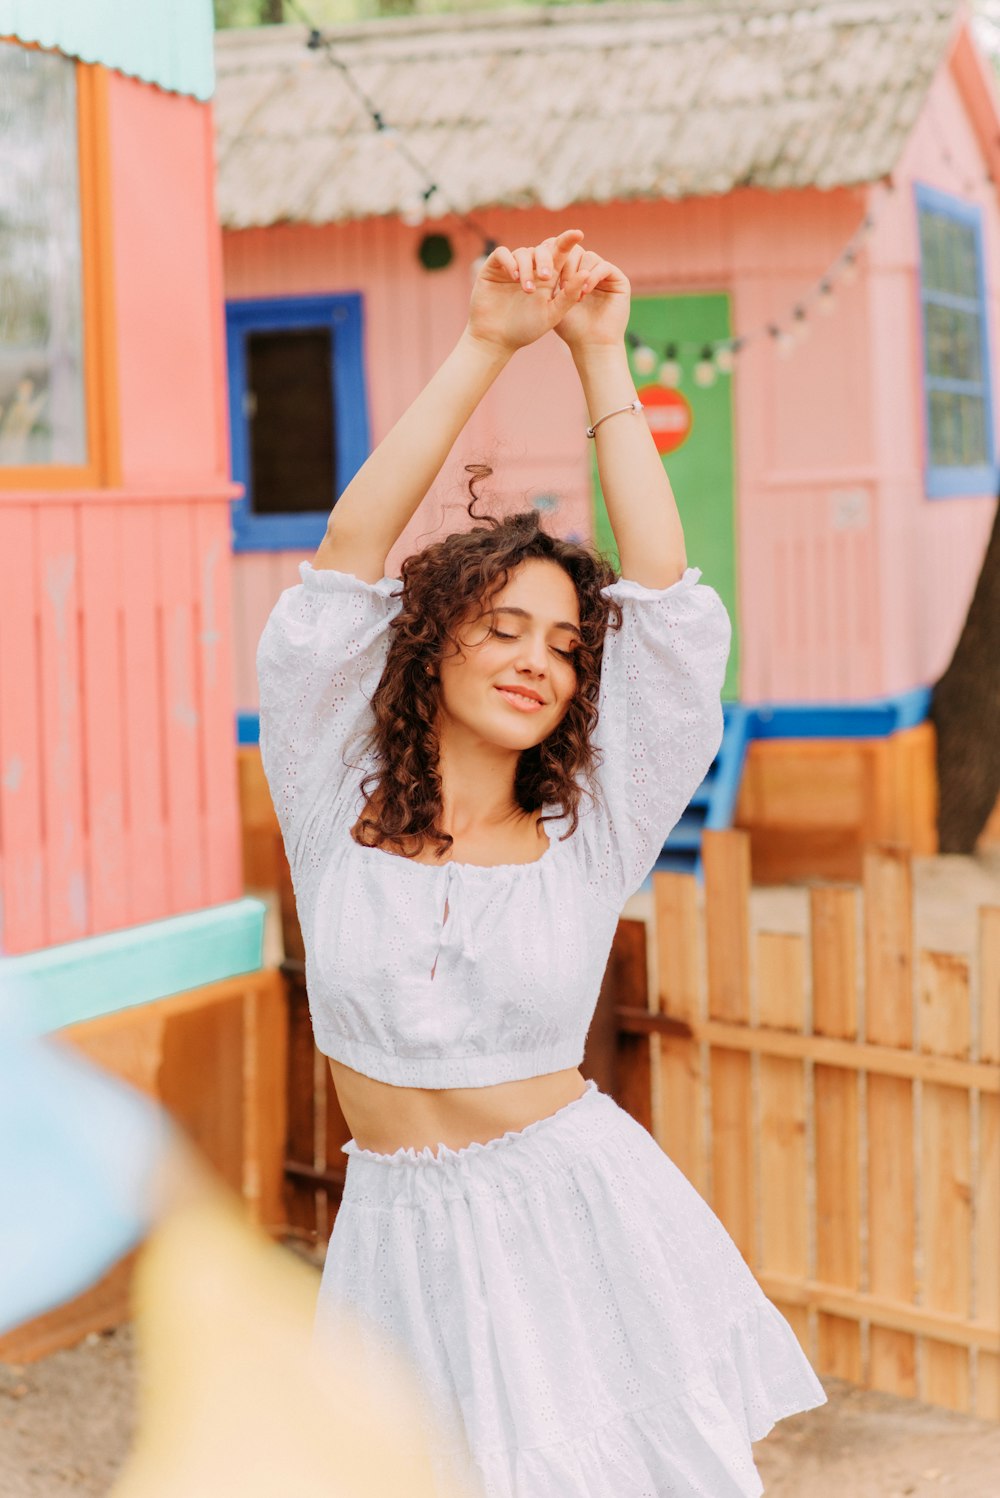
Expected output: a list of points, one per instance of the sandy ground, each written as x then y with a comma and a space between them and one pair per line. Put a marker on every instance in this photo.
66, 1422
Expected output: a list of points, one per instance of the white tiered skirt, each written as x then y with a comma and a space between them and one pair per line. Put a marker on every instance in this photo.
580, 1322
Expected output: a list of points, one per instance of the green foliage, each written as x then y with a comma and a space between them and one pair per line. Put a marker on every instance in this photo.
332, 12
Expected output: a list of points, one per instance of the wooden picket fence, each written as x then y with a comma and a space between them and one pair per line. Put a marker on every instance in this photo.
836, 1100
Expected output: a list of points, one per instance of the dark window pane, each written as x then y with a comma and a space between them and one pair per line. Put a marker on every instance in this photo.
290, 415
973, 429
42, 414
949, 261
943, 406
954, 350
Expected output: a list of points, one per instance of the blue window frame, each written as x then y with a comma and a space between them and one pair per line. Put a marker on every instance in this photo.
298, 414
959, 438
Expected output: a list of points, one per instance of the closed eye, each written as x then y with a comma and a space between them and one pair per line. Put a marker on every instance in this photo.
568, 654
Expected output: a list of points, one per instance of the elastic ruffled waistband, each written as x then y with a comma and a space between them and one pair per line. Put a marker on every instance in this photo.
374, 1178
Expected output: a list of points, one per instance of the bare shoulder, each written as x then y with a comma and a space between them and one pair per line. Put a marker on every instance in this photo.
344, 554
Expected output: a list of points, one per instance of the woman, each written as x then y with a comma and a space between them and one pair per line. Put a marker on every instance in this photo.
530, 727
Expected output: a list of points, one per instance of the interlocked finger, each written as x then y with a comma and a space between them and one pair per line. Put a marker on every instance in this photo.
524, 256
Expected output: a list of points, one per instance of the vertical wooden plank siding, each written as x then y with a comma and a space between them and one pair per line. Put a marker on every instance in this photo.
945, 1175
891, 1163
103, 706
22, 835
987, 1182
58, 666
681, 1068
145, 799
175, 593
118, 794
726, 857
834, 933
908, 1184
784, 1221
213, 649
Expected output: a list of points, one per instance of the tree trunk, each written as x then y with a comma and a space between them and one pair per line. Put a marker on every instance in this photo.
965, 711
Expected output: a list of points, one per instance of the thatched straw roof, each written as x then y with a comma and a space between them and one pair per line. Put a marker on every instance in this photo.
572, 104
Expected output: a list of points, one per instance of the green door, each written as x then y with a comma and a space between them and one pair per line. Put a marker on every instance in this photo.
700, 468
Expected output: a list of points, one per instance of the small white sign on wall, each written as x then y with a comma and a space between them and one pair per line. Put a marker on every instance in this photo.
849, 509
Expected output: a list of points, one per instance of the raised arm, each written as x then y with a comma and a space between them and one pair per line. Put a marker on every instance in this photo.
504, 315
637, 492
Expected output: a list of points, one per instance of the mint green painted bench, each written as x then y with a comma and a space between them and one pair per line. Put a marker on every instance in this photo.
80, 980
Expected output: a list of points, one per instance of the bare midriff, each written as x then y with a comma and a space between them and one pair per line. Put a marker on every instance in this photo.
383, 1117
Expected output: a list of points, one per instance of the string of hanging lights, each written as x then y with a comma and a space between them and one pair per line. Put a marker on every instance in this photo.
716, 355
429, 200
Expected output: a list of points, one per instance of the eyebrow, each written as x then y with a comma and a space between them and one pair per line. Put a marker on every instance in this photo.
508, 608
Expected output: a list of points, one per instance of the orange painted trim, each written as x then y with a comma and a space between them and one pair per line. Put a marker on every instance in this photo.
210, 492
100, 362
981, 95
223, 463
103, 465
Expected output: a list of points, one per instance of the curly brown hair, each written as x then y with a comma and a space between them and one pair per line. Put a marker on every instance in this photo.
443, 585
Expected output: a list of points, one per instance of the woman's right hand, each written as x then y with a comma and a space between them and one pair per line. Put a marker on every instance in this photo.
520, 294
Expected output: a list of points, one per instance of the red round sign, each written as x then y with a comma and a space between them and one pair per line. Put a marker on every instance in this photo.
669, 415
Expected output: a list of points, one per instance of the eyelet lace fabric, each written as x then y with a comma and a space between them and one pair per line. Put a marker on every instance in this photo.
579, 1320
457, 974
583, 1325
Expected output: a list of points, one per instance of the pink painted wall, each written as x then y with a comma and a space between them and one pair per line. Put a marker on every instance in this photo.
930, 550
169, 318
118, 790
851, 583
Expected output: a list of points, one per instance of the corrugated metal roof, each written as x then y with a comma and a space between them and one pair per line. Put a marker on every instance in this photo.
572, 104
167, 42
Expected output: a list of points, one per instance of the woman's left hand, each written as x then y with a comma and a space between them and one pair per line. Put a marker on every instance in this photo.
600, 315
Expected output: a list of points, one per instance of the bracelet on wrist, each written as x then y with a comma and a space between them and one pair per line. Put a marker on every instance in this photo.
635, 405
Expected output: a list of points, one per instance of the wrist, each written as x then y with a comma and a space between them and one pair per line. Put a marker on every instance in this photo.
492, 356
590, 355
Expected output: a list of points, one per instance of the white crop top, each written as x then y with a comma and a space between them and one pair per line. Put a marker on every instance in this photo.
517, 966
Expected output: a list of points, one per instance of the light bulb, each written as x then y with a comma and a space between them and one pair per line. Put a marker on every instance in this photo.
412, 212
644, 360
725, 359
705, 372
827, 299
670, 373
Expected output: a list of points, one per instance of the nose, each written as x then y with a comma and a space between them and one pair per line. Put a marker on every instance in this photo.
532, 657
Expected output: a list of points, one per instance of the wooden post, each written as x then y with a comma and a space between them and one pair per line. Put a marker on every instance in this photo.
834, 936
943, 1022
987, 1223
726, 863
888, 891
679, 994
784, 1222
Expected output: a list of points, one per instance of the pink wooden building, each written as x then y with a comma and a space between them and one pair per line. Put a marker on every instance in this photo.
122, 909
118, 803
813, 181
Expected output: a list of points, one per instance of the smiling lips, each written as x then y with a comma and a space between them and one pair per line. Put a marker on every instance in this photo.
525, 701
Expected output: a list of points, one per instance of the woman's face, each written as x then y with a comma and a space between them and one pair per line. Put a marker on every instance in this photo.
525, 643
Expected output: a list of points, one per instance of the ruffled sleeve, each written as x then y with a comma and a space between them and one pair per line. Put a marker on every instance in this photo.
660, 724
319, 659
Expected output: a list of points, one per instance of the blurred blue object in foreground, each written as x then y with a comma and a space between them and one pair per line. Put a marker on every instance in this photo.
80, 1153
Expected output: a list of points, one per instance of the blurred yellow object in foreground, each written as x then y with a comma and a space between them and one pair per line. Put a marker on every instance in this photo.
235, 1398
